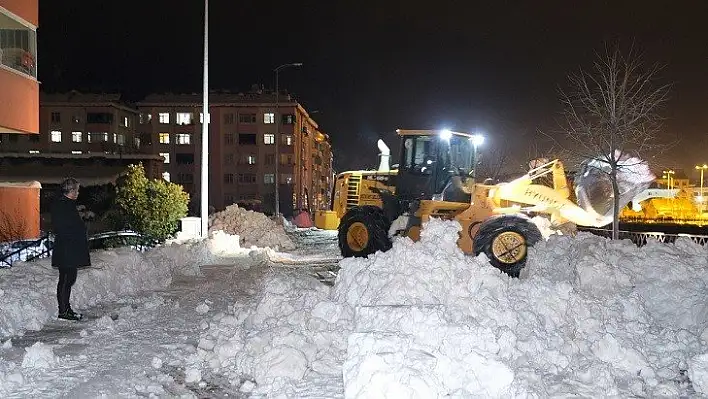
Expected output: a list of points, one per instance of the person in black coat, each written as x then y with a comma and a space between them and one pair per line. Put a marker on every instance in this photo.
71, 249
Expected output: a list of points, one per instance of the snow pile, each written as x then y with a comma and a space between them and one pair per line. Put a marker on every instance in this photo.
589, 316
290, 334
39, 356
254, 228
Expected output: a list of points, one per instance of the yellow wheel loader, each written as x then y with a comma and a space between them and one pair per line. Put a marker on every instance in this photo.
435, 179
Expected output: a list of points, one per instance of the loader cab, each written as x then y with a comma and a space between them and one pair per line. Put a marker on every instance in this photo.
435, 165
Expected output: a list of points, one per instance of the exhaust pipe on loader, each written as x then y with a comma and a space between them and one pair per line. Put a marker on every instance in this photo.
384, 164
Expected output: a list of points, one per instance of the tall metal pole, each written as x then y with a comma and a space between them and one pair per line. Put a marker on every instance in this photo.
205, 129
277, 144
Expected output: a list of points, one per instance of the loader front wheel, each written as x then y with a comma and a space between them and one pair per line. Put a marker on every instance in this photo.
363, 231
505, 240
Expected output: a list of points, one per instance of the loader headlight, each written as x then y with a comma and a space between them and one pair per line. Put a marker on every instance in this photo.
446, 134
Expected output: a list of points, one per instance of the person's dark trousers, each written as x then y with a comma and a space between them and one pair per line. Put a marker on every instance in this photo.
67, 278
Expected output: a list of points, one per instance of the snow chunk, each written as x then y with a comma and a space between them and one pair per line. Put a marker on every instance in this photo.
202, 308
698, 373
253, 228
192, 375
39, 356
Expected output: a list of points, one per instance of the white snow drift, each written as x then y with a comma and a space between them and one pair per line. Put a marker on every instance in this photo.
254, 228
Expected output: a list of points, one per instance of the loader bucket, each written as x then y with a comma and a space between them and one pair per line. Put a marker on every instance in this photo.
593, 185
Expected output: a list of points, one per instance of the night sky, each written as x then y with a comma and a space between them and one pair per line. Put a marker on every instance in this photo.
373, 66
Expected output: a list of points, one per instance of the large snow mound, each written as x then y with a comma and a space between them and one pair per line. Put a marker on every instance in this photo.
254, 228
588, 315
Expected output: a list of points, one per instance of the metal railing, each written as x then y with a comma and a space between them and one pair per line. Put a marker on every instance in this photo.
27, 251
641, 238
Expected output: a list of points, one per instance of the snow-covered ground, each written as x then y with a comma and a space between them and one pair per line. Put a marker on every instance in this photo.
588, 317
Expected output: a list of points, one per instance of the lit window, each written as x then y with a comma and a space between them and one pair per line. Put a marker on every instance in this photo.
56, 136
97, 137
251, 159
145, 118
286, 179
124, 121
33, 151
269, 117
165, 155
201, 117
76, 137
76, 152
118, 139
287, 139
268, 139
136, 141
183, 138
164, 117
269, 178
164, 138
184, 118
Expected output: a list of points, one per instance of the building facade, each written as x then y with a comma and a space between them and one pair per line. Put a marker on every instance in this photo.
19, 88
242, 148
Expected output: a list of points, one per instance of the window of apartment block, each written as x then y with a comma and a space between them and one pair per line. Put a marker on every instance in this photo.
184, 159
247, 139
228, 178
55, 136
228, 119
119, 139
146, 138
229, 199
270, 159
246, 118
136, 142
247, 178
288, 119
76, 137
201, 117
145, 118
184, 118
98, 137
105, 118
18, 42
34, 151
287, 159
286, 178
56, 117
76, 119
124, 121
77, 152
269, 178
251, 159
163, 117
164, 138
229, 159
268, 117
287, 139
228, 138
165, 155
268, 139
183, 138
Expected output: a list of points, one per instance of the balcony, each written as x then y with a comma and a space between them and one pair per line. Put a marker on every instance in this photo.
18, 46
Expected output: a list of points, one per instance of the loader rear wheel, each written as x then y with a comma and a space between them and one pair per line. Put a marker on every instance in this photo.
363, 231
505, 240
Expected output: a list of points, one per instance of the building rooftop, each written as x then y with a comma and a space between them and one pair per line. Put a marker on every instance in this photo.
78, 97
217, 97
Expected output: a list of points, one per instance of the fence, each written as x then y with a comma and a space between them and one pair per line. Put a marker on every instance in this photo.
25, 251
641, 238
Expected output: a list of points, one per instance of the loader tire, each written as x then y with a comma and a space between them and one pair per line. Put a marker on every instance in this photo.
363, 231
506, 240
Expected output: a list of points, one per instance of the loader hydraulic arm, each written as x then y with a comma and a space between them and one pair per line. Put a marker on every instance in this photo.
526, 195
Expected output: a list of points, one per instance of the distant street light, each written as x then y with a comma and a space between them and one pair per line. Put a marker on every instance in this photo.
205, 130
667, 175
277, 133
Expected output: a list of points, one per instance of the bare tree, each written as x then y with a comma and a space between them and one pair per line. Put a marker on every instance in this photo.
493, 162
611, 116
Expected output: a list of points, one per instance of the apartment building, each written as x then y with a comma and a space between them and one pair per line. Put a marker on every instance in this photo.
19, 88
242, 150
87, 136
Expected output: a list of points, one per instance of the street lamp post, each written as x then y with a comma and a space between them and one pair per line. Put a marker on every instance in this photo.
277, 133
205, 130
703, 197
